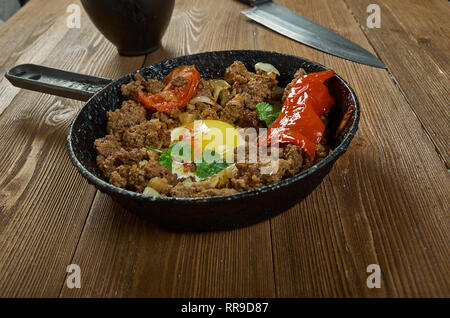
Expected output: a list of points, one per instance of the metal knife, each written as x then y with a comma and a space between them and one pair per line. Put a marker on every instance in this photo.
301, 29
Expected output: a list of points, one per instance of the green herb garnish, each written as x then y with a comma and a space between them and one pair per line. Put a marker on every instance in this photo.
180, 151
166, 160
267, 113
210, 164
153, 149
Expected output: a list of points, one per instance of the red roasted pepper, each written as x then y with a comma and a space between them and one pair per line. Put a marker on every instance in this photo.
299, 122
172, 96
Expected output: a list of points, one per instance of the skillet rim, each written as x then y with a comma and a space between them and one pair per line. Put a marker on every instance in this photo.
333, 156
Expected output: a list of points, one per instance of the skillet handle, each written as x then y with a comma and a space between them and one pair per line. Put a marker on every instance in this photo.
254, 2
56, 82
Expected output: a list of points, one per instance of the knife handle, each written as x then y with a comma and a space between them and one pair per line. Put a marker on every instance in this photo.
254, 2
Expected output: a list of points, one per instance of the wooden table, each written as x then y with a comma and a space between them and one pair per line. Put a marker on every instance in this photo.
385, 202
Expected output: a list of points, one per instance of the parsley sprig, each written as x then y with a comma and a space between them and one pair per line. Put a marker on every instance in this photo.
208, 165
267, 113
180, 151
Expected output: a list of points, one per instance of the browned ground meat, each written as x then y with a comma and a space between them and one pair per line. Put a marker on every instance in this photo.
107, 145
205, 88
151, 85
130, 114
153, 133
127, 163
202, 110
179, 82
253, 87
300, 72
233, 109
249, 119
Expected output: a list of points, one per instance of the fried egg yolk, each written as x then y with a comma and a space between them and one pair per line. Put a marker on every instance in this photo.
214, 135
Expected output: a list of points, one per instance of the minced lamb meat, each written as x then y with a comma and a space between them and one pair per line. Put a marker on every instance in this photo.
151, 85
130, 114
300, 72
153, 132
127, 162
253, 87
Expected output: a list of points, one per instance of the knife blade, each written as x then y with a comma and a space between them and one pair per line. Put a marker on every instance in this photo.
303, 30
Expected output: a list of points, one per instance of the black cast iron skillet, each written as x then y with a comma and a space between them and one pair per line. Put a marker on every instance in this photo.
189, 214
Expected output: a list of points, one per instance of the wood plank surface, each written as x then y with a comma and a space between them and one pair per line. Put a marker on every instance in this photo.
427, 24
413, 42
385, 202
121, 255
371, 208
44, 202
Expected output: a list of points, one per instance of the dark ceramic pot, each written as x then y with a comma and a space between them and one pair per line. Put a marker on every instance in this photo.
135, 27
189, 214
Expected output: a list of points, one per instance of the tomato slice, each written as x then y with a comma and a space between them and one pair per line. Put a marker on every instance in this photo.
173, 96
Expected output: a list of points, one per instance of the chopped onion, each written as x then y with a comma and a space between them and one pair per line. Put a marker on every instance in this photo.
216, 181
269, 167
231, 171
226, 174
223, 97
151, 192
191, 181
186, 118
188, 182
209, 183
266, 67
206, 100
203, 99
142, 163
158, 184
219, 85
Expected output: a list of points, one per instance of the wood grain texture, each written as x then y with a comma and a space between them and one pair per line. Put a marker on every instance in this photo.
44, 202
123, 256
432, 34
371, 209
413, 42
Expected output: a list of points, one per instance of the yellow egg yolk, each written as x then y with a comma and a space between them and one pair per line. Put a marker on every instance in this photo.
214, 135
